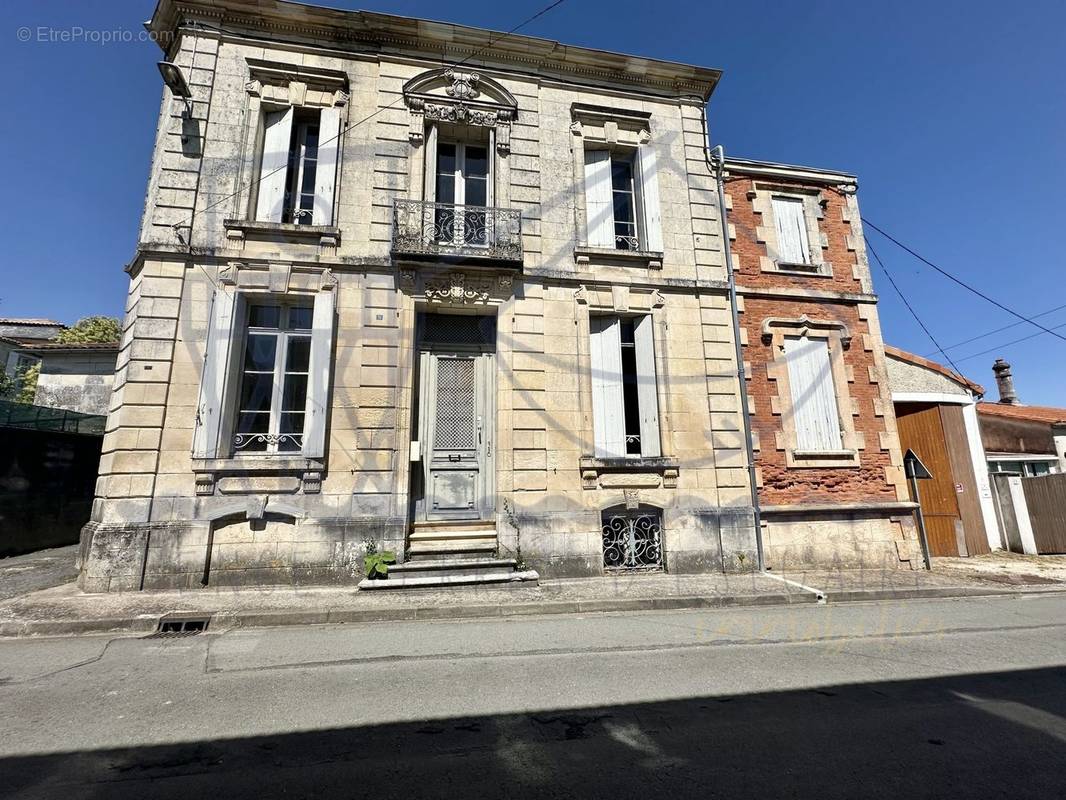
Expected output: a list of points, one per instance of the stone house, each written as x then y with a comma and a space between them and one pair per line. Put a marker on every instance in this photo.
475, 313
828, 466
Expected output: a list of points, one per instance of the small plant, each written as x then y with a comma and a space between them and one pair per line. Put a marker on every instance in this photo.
512, 519
375, 564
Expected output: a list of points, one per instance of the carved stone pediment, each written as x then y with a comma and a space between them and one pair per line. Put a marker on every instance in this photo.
462, 98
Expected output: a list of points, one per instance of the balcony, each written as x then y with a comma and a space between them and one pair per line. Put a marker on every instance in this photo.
448, 231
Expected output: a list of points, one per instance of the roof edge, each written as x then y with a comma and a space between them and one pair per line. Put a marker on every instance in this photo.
774, 169
919, 361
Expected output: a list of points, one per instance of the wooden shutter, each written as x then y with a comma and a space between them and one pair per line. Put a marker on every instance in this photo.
273, 169
814, 402
791, 226
647, 392
223, 332
318, 376
329, 140
429, 187
608, 417
649, 194
599, 203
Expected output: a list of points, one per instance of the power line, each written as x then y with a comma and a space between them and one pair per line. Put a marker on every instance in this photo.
870, 247
1004, 328
368, 117
1008, 344
962, 283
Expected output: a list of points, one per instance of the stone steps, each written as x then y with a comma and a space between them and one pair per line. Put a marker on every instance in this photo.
452, 554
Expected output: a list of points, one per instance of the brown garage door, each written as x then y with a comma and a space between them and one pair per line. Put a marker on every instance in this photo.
921, 430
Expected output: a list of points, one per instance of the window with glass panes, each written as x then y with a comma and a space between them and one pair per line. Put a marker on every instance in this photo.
462, 179
303, 166
274, 369
623, 196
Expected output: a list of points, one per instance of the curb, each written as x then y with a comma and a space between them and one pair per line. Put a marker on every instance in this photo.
228, 620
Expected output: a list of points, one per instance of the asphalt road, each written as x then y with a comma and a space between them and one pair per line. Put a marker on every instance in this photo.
947, 698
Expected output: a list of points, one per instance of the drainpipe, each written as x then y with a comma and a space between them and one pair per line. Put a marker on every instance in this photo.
717, 161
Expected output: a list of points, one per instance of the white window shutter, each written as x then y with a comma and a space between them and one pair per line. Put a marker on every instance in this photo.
429, 186
274, 165
649, 193
329, 140
647, 393
814, 402
791, 226
608, 416
222, 338
599, 203
317, 409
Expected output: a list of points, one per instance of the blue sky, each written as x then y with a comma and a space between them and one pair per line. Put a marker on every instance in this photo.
952, 114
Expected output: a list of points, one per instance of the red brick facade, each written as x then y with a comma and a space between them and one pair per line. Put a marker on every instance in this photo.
843, 299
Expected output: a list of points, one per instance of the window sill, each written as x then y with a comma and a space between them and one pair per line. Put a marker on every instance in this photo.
823, 458
650, 259
305, 473
239, 229
633, 472
805, 270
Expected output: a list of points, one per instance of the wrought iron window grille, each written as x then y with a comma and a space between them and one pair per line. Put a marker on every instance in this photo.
632, 539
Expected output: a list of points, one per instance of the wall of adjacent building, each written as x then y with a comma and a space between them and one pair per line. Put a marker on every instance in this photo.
852, 514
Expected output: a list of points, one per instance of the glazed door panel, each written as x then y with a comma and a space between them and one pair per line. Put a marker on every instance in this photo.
458, 427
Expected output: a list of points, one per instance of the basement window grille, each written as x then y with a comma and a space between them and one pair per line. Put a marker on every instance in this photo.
632, 539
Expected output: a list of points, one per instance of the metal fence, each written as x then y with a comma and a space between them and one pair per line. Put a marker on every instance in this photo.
41, 418
444, 229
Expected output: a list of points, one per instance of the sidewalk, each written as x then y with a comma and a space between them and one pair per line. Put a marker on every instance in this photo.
64, 610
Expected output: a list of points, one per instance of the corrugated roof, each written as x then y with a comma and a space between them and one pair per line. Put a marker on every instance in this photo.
30, 321
53, 347
1048, 414
911, 358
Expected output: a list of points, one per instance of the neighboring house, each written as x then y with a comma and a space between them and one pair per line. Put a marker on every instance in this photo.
77, 376
17, 336
831, 485
1022, 440
936, 412
477, 312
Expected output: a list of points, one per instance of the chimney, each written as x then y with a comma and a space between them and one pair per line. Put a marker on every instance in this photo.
1005, 382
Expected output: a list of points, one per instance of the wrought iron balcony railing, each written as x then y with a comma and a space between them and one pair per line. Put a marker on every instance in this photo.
449, 230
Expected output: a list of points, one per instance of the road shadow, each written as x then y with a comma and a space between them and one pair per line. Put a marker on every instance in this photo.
979, 735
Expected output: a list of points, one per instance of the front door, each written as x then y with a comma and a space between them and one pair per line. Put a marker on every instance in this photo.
457, 417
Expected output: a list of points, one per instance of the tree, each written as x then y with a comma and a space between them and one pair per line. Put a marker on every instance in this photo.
92, 329
27, 384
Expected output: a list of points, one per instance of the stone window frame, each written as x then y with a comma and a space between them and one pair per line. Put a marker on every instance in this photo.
631, 471
761, 197
275, 85
471, 99
838, 338
611, 129
244, 281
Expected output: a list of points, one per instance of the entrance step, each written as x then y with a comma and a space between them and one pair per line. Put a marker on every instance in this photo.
442, 572
482, 548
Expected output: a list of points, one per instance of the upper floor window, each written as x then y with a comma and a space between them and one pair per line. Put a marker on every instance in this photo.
298, 165
622, 199
462, 189
790, 224
815, 415
624, 389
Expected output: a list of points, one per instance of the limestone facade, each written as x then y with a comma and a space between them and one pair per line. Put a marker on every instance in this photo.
178, 505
